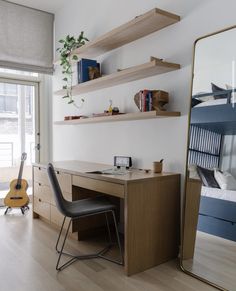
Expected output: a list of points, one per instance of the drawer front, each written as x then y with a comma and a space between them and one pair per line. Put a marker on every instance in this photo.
41, 207
64, 181
41, 176
43, 192
57, 218
99, 186
67, 196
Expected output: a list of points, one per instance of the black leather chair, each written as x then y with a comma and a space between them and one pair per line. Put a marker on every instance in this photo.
77, 209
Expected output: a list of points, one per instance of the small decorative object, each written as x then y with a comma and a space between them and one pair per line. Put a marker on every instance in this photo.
94, 73
157, 166
110, 106
147, 100
69, 44
121, 161
115, 110
74, 117
105, 113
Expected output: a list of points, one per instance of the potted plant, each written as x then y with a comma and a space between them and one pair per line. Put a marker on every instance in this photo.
69, 44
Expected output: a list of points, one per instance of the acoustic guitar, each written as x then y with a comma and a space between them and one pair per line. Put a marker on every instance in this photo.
17, 196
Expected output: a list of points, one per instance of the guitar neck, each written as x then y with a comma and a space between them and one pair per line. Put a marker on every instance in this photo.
20, 174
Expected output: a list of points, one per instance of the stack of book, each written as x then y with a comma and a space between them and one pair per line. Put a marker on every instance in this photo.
145, 100
83, 71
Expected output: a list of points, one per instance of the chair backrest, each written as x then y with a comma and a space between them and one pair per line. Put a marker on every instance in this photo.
56, 189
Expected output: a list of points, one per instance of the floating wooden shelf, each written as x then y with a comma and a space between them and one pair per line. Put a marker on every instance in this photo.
121, 117
151, 68
138, 27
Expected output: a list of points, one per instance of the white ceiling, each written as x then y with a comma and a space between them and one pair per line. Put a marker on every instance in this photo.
45, 5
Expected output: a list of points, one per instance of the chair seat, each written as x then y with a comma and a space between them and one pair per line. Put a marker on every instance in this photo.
88, 206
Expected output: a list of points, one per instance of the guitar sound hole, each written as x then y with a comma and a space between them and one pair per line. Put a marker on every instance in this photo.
16, 198
18, 187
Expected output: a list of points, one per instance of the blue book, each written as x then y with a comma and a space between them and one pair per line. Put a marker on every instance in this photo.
83, 73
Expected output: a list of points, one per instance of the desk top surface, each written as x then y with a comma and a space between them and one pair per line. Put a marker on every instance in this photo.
82, 168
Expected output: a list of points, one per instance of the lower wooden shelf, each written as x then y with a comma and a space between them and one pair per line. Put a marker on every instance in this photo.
121, 117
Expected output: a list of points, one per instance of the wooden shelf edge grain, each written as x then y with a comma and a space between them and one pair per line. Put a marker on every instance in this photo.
142, 25
154, 67
121, 117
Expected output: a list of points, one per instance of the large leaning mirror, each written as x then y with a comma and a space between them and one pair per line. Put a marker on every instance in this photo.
209, 223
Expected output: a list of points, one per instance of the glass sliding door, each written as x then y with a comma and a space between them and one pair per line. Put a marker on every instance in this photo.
19, 130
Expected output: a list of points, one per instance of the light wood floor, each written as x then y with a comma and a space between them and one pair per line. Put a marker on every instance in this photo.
214, 260
27, 263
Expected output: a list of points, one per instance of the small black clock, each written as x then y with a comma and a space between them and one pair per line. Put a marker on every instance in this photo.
121, 161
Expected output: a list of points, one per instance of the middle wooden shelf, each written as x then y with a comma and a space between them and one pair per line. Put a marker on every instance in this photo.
121, 117
154, 67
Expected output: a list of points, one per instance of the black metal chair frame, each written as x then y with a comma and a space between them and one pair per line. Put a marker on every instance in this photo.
99, 254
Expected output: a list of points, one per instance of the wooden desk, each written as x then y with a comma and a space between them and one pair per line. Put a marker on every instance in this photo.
151, 207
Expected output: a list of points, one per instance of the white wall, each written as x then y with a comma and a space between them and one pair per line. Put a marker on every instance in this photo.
214, 62
148, 140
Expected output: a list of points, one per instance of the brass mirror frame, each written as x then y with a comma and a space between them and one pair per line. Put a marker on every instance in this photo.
186, 169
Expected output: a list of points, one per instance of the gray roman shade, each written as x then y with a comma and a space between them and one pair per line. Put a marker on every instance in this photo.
26, 38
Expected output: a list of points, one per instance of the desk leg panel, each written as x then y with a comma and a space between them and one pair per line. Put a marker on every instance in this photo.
152, 216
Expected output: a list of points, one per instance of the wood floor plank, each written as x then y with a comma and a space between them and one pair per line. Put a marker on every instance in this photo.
214, 260
28, 261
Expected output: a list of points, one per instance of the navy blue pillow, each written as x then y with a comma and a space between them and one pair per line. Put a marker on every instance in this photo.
218, 89
195, 102
207, 177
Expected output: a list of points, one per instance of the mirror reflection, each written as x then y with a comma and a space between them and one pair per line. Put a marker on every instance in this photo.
209, 237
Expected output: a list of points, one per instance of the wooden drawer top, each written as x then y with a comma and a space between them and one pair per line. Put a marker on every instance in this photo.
82, 168
106, 187
64, 179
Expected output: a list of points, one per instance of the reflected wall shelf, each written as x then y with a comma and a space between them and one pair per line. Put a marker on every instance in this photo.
154, 67
121, 117
140, 26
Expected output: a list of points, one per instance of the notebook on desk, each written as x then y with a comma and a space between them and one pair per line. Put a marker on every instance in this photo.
111, 171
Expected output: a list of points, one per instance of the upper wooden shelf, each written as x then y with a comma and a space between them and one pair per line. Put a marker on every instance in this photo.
140, 26
121, 117
151, 68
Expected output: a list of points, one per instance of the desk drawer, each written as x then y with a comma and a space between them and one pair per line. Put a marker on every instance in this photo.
113, 189
41, 207
41, 176
43, 192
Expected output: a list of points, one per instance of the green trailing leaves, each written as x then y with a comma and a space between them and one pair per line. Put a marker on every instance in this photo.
75, 58
69, 44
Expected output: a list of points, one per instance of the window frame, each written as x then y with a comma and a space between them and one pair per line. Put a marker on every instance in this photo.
30, 81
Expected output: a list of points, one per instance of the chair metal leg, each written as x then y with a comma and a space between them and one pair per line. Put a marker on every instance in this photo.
121, 262
59, 236
62, 248
118, 238
108, 229
100, 254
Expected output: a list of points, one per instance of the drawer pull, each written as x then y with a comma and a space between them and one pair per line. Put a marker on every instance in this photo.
57, 172
40, 184
39, 168
40, 200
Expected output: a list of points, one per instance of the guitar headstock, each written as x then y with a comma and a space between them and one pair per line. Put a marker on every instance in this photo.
23, 157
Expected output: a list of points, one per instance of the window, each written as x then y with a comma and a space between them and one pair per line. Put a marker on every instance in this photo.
8, 98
